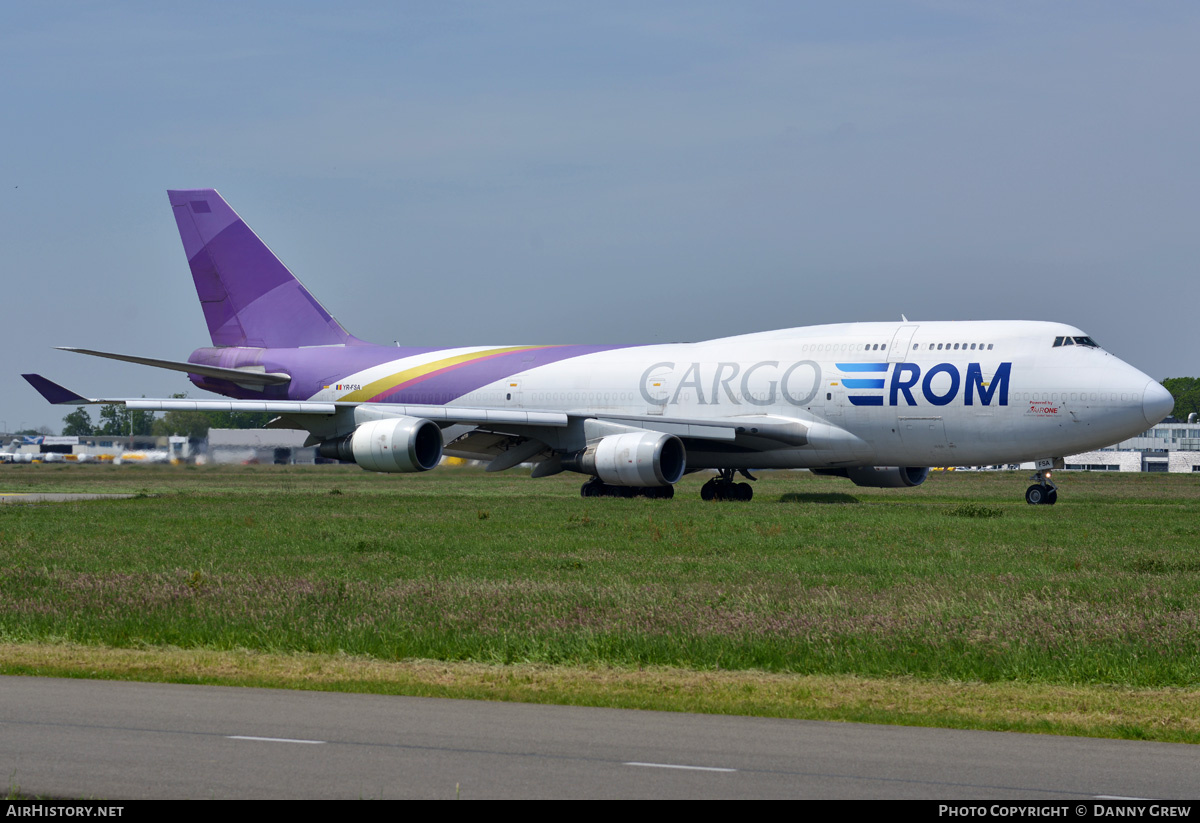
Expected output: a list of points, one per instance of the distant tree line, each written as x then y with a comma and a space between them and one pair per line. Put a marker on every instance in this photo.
118, 421
1186, 391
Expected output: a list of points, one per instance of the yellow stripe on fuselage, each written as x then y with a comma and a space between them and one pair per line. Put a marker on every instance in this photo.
393, 381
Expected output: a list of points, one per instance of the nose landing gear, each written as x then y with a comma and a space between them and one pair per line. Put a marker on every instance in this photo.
1044, 492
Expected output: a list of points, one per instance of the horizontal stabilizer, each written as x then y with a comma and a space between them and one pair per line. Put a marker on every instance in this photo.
242, 376
53, 392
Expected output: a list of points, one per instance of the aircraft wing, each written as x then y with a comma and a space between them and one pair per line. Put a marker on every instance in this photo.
784, 430
62, 396
505, 437
448, 415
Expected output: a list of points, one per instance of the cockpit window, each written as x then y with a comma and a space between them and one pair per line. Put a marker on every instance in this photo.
1075, 341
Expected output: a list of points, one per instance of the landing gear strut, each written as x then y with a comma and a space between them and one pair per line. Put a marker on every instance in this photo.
1043, 492
598, 488
722, 486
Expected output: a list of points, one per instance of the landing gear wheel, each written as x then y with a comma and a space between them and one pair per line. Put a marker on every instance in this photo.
598, 488
1043, 492
722, 487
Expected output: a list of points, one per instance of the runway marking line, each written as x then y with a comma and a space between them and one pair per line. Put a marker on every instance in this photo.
676, 766
273, 739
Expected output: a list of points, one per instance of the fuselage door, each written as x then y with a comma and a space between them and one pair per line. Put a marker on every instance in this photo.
512, 392
657, 389
835, 399
924, 438
901, 343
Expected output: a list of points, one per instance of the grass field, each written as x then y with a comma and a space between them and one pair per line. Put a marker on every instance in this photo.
951, 604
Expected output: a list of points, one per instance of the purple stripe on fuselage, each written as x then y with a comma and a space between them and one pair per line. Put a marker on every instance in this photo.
314, 368
445, 386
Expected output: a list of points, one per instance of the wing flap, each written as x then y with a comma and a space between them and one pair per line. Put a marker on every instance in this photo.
787, 431
273, 406
463, 414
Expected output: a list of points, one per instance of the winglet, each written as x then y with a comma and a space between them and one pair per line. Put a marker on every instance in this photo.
53, 392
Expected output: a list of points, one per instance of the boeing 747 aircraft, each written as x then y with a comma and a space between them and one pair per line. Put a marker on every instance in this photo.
878, 403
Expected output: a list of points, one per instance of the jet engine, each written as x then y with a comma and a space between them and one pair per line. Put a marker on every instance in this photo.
397, 444
632, 459
881, 477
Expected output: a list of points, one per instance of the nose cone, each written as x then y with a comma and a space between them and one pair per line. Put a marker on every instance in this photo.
1157, 403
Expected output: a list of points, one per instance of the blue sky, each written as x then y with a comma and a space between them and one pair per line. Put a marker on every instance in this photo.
462, 173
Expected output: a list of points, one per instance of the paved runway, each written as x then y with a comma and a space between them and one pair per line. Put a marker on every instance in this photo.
42, 497
80, 738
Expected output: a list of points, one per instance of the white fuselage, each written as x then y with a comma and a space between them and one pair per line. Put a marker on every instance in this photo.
900, 394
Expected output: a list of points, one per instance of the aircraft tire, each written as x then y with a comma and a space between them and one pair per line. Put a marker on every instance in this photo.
1052, 497
743, 491
1035, 495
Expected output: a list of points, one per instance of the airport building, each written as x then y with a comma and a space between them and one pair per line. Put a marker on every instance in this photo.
278, 446
1168, 447
18, 448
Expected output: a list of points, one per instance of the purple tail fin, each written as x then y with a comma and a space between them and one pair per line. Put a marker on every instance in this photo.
248, 296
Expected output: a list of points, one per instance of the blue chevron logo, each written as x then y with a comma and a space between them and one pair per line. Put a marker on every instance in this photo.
864, 383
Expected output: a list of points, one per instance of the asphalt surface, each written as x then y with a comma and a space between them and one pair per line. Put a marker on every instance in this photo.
39, 497
115, 740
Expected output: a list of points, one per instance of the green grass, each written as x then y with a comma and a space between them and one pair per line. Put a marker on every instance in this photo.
956, 581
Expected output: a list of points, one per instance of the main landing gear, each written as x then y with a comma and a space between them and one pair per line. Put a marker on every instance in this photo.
1043, 492
722, 486
598, 488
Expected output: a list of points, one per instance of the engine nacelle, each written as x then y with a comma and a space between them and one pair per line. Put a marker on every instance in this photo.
881, 477
633, 459
397, 444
